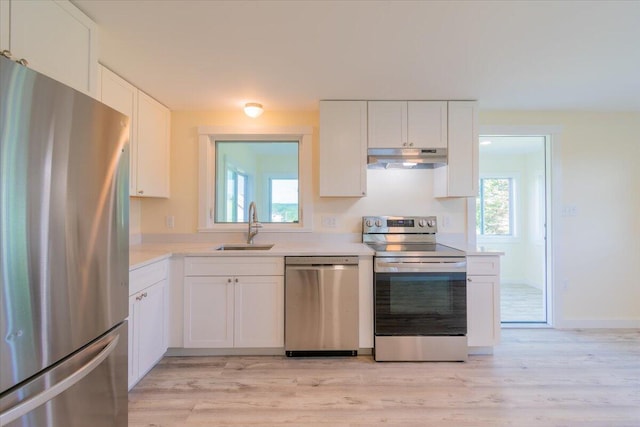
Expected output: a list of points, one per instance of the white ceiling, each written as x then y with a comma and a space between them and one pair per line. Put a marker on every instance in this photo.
523, 55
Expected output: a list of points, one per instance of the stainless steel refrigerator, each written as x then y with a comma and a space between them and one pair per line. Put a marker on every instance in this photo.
63, 255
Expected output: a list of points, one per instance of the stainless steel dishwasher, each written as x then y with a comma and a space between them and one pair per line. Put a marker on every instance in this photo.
321, 306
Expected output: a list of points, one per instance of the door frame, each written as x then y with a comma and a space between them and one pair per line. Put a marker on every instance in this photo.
553, 178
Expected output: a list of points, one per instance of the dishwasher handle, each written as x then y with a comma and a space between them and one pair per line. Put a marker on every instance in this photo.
317, 267
315, 261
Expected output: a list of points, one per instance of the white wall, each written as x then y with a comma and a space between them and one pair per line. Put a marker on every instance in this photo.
596, 253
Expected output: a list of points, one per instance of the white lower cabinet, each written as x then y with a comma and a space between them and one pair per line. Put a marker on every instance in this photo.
147, 318
483, 300
234, 302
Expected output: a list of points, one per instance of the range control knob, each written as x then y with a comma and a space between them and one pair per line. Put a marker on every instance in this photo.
378, 223
368, 223
426, 223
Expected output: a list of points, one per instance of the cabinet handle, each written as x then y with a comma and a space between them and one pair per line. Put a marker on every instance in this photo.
6, 53
469, 279
140, 191
411, 144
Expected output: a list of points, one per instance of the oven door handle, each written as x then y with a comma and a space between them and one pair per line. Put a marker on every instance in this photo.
422, 266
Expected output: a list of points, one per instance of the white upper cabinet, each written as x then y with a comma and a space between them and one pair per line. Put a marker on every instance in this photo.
343, 148
407, 124
55, 38
120, 95
459, 178
152, 158
149, 134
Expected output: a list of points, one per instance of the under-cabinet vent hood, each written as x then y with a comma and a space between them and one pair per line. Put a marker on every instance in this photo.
406, 158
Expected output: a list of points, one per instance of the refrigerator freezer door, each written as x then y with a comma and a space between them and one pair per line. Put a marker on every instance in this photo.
88, 388
63, 221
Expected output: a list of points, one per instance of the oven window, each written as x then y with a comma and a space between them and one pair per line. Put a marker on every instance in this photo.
420, 304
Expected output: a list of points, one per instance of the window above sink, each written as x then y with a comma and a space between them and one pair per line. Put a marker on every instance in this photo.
270, 166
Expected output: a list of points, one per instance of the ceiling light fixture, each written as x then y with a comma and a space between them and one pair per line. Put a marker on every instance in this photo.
253, 109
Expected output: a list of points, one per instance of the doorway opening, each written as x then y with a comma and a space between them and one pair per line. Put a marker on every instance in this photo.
511, 216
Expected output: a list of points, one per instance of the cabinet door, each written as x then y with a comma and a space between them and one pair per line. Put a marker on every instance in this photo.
152, 163
259, 311
343, 148
208, 312
427, 124
150, 325
56, 38
120, 95
460, 177
387, 124
483, 311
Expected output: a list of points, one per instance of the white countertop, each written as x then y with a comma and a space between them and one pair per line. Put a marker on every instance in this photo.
478, 251
147, 253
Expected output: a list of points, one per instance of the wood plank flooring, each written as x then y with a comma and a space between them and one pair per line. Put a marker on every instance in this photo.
521, 303
536, 377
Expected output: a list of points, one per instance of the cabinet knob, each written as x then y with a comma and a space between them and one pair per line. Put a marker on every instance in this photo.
140, 191
229, 280
236, 280
468, 279
411, 144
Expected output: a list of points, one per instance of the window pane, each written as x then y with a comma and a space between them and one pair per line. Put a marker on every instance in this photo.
494, 208
265, 172
284, 200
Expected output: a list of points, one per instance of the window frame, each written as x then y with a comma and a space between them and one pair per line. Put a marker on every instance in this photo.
208, 135
513, 205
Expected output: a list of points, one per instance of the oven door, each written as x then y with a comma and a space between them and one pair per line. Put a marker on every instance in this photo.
420, 297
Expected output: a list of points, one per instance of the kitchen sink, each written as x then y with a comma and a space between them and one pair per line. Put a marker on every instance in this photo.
243, 247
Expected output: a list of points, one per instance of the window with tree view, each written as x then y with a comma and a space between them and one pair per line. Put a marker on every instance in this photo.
494, 207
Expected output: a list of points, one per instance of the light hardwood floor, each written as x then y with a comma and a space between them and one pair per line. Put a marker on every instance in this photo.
537, 377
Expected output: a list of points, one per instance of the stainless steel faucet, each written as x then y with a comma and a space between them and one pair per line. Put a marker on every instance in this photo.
254, 225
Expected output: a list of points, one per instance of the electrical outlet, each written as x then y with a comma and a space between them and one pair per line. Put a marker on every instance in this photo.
170, 221
329, 221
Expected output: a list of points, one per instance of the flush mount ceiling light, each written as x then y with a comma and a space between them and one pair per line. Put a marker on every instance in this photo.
253, 109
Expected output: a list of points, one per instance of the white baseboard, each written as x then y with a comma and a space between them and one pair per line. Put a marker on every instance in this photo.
598, 324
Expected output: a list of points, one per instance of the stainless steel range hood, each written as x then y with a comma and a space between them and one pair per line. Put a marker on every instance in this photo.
406, 158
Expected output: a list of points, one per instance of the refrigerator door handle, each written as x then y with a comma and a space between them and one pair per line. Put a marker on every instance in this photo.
51, 392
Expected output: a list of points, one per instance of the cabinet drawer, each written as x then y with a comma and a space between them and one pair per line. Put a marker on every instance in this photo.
483, 265
143, 277
234, 266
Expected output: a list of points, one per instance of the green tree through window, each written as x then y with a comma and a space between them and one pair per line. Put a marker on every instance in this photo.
494, 207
